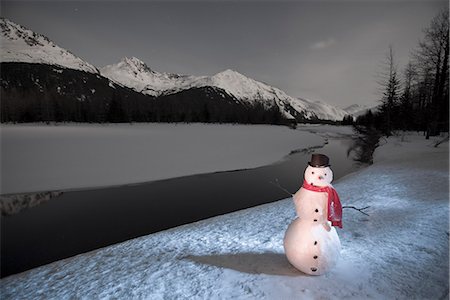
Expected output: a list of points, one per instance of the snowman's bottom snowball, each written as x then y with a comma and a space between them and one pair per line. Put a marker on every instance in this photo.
310, 248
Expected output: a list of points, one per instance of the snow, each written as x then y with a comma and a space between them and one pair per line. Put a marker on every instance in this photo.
41, 157
12, 204
328, 131
134, 73
249, 90
325, 111
19, 44
399, 252
357, 110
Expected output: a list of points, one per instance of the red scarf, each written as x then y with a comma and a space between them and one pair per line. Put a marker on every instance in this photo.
334, 203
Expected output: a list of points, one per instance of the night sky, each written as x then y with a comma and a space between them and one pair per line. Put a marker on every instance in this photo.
320, 50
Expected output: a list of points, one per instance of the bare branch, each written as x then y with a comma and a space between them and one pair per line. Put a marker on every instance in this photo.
358, 209
445, 139
277, 184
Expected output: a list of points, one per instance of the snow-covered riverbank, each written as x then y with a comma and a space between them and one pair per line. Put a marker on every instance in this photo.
42, 158
400, 251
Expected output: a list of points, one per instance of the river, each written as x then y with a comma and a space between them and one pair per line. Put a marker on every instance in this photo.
80, 221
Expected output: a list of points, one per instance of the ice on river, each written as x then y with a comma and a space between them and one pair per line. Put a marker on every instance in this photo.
399, 252
41, 158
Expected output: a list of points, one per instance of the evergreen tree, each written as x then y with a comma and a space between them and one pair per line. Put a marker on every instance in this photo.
390, 86
347, 120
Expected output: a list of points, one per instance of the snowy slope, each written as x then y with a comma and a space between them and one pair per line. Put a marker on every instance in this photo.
134, 73
357, 110
19, 44
399, 252
325, 111
250, 90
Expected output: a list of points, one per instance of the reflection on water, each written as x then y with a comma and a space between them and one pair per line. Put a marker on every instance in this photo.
80, 221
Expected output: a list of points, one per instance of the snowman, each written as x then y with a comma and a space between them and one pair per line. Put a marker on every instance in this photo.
311, 243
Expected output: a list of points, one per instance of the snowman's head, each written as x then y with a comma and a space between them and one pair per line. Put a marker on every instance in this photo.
318, 176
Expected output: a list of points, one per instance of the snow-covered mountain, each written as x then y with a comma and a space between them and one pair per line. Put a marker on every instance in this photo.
134, 73
325, 111
357, 110
35, 53
249, 90
19, 44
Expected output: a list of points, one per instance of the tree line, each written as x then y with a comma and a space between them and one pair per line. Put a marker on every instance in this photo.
418, 99
45, 93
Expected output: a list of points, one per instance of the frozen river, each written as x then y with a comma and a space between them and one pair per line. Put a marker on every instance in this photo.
80, 221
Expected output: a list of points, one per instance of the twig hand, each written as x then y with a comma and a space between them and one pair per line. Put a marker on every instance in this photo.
358, 209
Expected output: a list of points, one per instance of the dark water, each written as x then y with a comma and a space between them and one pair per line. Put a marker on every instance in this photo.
80, 221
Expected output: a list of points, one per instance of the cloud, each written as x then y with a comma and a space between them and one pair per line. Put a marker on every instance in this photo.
323, 44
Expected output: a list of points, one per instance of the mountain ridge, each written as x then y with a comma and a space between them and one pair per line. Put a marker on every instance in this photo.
244, 88
21, 45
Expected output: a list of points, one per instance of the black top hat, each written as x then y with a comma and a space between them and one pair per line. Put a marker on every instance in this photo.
319, 161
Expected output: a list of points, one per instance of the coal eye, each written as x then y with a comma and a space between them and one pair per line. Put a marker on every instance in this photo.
312, 172
325, 174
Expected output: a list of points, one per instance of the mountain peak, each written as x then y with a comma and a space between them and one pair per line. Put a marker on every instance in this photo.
131, 72
13, 31
20, 44
229, 73
135, 64
359, 109
353, 107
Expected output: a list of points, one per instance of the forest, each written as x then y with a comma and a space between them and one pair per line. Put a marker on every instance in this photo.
418, 98
45, 93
